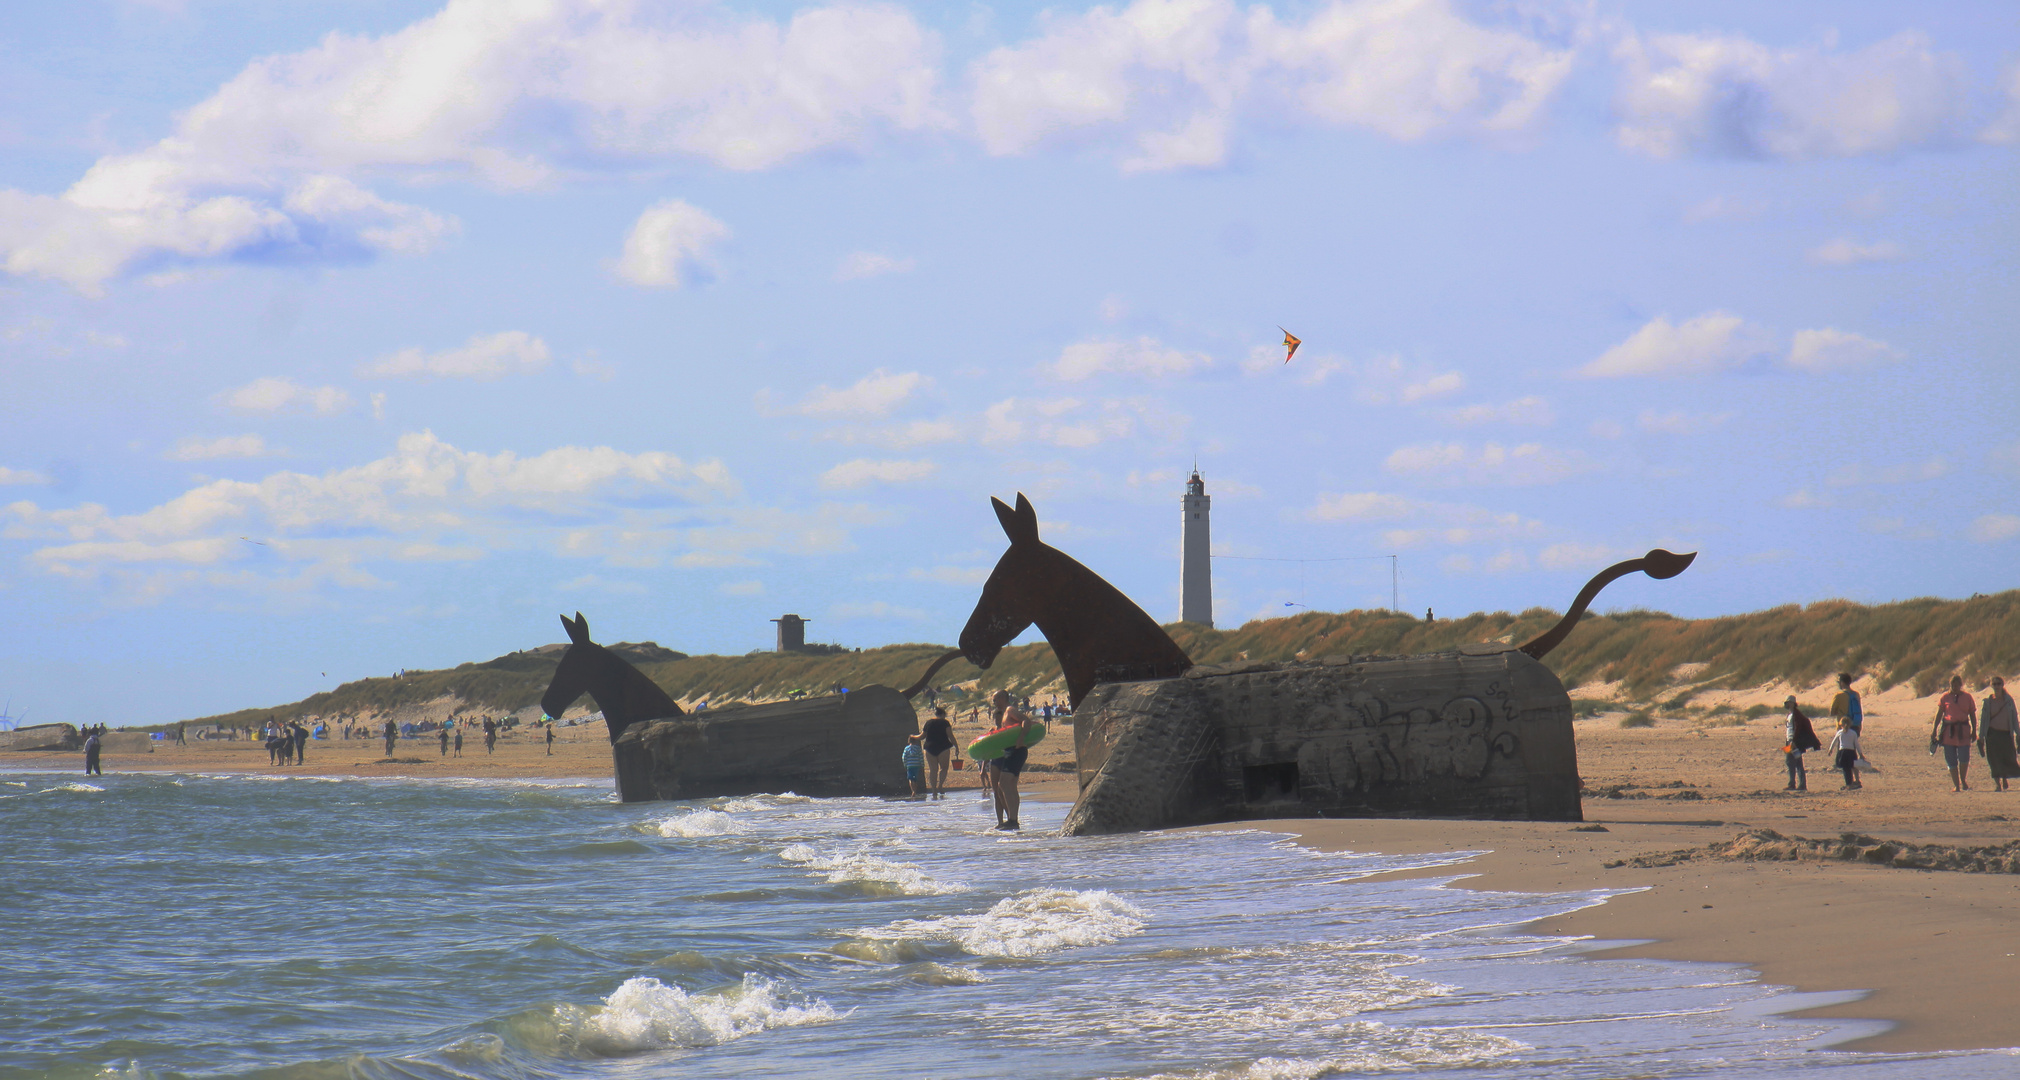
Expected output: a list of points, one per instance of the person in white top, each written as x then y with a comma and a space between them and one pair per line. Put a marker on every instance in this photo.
1845, 751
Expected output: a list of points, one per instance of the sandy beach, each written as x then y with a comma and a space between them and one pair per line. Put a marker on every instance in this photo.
1936, 950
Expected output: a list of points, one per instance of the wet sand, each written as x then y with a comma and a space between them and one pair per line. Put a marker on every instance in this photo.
1935, 949
1938, 951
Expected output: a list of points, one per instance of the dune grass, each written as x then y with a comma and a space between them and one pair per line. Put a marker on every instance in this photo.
1922, 642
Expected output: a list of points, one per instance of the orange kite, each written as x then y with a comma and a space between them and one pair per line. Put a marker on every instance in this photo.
1290, 345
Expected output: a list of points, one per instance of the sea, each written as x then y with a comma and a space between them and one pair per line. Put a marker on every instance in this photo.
312, 928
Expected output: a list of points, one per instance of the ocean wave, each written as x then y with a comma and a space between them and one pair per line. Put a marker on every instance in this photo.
696, 824
645, 1014
747, 804
861, 867
1028, 924
1377, 1048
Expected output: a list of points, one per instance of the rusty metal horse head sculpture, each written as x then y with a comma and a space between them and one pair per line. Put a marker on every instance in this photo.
623, 692
1097, 633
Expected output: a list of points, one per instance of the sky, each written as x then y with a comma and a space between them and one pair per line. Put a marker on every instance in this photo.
347, 336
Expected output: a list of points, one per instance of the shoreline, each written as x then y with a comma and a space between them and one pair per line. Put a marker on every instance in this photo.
1931, 953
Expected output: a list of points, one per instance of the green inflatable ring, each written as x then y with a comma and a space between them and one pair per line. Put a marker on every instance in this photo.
998, 742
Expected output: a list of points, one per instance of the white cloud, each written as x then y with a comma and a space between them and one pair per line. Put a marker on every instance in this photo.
868, 264
1073, 424
1991, 528
669, 244
1585, 557
1450, 382
1492, 463
1606, 429
864, 471
1528, 411
1715, 341
224, 446
512, 94
741, 588
1733, 97
1845, 251
484, 356
873, 395
272, 395
426, 501
900, 436
1424, 523
20, 476
1506, 561
1169, 80
1362, 506
1803, 499
1834, 350
1145, 356
876, 609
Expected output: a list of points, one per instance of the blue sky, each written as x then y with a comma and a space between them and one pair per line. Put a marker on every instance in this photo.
349, 336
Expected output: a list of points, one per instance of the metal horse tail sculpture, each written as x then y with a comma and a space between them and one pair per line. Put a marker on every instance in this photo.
1657, 564
1097, 633
623, 692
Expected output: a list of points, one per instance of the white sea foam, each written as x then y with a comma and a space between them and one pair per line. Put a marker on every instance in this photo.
754, 803
1028, 924
1377, 1048
862, 867
646, 1014
73, 786
697, 823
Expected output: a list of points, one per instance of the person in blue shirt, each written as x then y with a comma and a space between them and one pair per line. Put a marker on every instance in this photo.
1846, 705
915, 764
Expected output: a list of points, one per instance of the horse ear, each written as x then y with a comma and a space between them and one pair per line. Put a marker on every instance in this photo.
1021, 524
578, 631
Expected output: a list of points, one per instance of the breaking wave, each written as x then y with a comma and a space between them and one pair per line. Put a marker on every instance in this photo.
875, 873
1028, 924
645, 1014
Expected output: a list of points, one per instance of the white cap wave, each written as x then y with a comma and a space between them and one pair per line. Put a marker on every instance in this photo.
646, 1014
1030, 923
862, 867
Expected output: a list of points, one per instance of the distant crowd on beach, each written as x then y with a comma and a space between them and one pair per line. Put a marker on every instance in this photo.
929, 756
1961, 723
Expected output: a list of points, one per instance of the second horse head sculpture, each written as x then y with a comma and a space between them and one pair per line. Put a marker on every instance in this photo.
1097, 633
623, 692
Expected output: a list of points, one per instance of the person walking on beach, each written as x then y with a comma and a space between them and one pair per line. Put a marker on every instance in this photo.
182, 734
91, 747
490, 735
300, 736
392, 735
1846, 706
1011, 764
444, 739
1798, 738
915, 765
550, 738
459, 741
1999, 735
937, 740
1845, 752
1956, 730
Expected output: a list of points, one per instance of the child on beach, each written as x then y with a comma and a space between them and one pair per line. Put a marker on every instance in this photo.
1845, 751
915, 764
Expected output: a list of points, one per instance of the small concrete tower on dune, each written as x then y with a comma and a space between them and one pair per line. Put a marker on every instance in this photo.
1195, 583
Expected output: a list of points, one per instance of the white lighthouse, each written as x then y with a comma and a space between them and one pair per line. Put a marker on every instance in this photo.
1195, 583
